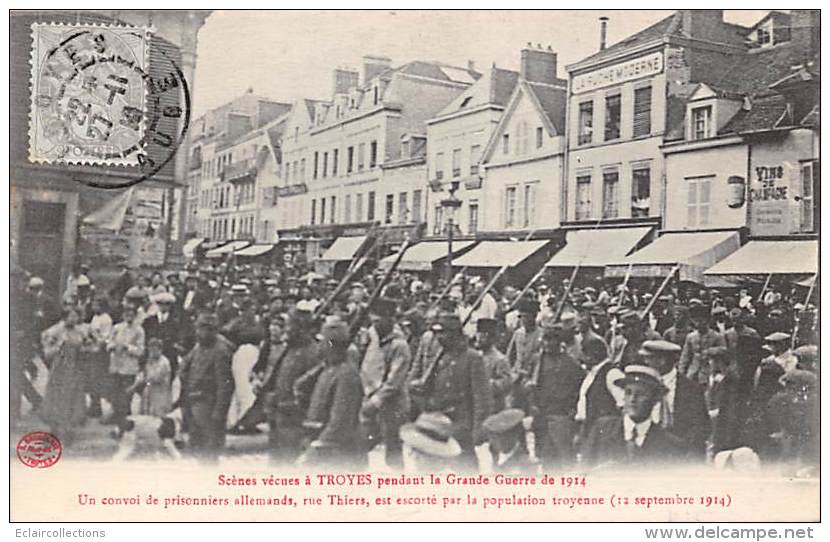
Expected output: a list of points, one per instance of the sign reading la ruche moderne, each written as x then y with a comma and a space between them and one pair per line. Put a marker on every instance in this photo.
629, 70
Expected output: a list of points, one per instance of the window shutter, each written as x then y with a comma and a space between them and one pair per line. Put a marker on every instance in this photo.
642, 111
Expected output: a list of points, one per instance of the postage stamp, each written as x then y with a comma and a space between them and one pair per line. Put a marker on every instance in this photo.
89, 94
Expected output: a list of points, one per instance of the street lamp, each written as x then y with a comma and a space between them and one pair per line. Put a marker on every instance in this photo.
450, 204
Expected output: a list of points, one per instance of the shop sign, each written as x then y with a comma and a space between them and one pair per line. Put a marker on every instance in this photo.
771, 200
644, 66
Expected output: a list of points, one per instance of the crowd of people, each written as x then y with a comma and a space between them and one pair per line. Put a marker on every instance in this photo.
434, 375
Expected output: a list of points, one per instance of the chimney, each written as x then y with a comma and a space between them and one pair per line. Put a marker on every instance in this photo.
538, 65
373, 65
703, 23
603, 32
805, 31
344, 80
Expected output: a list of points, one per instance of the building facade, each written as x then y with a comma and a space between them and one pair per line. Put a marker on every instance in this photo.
524, 158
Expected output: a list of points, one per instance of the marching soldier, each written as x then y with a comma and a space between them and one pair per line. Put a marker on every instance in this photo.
332, 418
286, 364
554, 386
456, 385
207, 387
525, 343
495, 363
383, 373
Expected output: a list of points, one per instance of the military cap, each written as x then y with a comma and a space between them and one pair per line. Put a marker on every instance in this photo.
695, 302
588, 306
239, 289
777, 313
83, 280
447, 321
648, 295
590, 290
527, 306
542, 286
503, 421
35, 282
777, 337
301, 311
486, 325
642, 373
384, 307
659, 348
207, 319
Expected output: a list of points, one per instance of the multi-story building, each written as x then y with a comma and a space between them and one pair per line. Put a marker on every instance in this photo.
456, 139
624, 103
748, 158
232, 156
375, 119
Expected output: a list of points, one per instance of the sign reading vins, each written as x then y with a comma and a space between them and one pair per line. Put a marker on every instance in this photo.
770, 200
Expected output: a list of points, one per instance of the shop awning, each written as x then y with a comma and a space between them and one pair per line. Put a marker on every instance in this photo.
770, 257
343, 248
190, 246
692, 253
499, 253
421, 256
227, 248
597, 247
255, 250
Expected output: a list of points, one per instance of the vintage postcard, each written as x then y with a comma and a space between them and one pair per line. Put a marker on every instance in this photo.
485, 266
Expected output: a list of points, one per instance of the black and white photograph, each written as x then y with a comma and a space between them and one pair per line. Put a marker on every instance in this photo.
415, 265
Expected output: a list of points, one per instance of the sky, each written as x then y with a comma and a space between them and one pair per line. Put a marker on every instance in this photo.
287, 55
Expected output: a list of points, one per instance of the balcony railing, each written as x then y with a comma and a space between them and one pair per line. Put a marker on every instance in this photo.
240, 170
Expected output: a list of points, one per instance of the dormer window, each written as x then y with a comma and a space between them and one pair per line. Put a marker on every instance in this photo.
764, 35
701, 122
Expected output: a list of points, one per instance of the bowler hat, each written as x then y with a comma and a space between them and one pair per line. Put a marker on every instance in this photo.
503, 421
431, 434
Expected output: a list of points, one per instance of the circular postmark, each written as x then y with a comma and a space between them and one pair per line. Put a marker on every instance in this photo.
39, 450
111, 96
